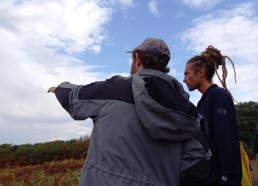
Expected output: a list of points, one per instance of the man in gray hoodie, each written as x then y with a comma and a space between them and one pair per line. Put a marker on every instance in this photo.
144, 124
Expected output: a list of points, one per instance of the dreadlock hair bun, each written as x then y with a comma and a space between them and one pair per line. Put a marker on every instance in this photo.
214, 58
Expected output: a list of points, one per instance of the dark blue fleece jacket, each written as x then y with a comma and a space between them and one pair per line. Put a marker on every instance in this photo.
217, 106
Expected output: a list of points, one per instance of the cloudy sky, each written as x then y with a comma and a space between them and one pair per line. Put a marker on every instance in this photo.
44, 43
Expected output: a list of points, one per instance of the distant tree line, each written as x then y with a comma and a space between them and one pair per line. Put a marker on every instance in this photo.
247, 116
40, 153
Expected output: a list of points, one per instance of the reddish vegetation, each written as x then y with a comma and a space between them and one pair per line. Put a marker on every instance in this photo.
54, 173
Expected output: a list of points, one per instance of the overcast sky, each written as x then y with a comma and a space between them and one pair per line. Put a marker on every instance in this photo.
44, 43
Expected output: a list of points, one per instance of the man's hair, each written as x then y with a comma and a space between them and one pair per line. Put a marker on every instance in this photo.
209, 60
160, 63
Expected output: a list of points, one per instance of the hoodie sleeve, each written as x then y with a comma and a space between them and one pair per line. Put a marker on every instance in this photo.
86, 101
62, 93
69, 95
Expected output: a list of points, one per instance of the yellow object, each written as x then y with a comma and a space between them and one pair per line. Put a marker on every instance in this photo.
246, 174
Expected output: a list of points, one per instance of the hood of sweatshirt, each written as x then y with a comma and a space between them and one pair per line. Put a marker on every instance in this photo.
161, 122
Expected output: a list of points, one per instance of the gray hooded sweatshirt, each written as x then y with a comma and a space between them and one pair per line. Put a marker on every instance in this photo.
142, 134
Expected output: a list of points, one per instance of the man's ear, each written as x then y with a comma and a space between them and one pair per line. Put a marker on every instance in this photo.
138, 61
201, 73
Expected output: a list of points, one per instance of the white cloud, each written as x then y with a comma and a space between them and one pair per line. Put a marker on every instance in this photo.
38, 42
202, 4
31, 132
153, 8
180, 14
126, 3
70, 25
234, 33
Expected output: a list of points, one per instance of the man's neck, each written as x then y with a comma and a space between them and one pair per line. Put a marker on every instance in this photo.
204, 86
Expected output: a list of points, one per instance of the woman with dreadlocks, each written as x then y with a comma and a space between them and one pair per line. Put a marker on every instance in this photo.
217, 106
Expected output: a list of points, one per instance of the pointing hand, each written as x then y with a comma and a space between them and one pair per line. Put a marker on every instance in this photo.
51, 89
